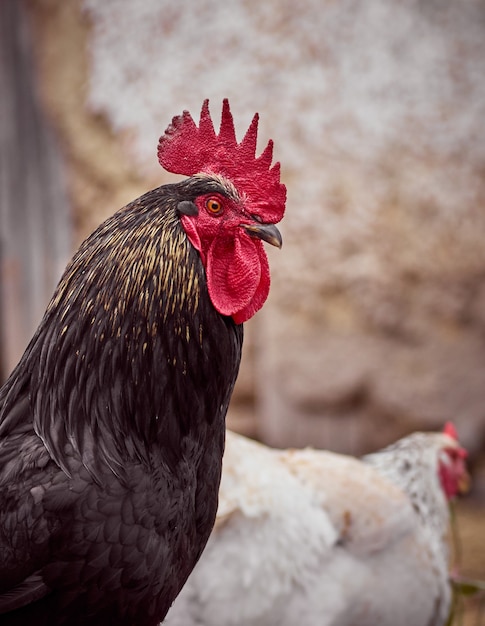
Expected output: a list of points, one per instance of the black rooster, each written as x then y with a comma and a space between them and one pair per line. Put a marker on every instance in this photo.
112, 424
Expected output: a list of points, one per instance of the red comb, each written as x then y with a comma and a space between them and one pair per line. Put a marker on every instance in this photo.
450, 430
187, 149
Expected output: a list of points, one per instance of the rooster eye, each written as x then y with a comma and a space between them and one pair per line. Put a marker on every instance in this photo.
213, 206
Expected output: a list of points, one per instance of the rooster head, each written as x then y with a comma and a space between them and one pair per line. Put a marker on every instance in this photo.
452, 464
237, 198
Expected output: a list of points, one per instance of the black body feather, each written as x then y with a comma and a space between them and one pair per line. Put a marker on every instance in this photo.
112, 427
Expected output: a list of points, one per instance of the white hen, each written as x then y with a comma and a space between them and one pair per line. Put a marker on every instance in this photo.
313, 538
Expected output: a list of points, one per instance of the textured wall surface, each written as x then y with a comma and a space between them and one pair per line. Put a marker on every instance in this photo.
376, 320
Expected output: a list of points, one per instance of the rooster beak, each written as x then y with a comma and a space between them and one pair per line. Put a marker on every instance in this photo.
266, 232
464, 483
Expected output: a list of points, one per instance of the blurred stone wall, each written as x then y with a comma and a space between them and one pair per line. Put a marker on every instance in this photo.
375, 324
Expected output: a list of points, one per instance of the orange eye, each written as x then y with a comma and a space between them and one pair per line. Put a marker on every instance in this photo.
213, 206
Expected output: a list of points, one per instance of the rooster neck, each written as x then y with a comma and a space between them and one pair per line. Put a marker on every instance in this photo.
131, 362
412, 465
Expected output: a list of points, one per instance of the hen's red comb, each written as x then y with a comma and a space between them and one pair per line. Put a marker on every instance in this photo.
450, 430
187, 149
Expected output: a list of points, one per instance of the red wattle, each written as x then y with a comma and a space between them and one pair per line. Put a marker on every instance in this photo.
237, 276
260, 294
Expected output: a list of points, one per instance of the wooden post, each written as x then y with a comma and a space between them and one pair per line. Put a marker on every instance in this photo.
35, 224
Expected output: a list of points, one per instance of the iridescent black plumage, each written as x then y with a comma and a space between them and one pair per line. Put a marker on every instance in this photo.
112, 426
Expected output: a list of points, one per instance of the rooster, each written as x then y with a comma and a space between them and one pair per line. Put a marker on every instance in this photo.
112, 424
314, 538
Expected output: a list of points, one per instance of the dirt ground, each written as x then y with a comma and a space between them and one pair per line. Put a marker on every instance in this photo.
470, 559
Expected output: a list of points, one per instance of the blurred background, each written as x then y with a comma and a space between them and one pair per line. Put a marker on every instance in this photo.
375, 324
